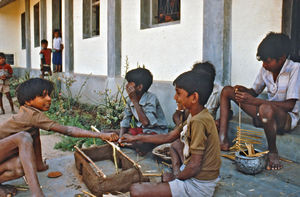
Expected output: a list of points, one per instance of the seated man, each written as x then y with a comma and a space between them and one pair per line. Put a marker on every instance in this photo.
196, 165
20, 138
143, 114
278, 114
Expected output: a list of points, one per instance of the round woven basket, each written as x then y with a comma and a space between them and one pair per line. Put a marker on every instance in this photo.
160, 151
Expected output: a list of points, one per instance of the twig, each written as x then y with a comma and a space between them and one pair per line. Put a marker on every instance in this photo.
88, 193
91, 161
152, 174
166, 164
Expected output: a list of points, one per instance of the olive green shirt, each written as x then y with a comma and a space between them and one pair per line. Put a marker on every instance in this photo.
202, 137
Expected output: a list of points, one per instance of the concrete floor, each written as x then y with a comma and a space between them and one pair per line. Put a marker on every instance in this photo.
285, 182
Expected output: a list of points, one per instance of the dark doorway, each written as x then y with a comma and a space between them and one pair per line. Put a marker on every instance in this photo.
56, 15
295, 31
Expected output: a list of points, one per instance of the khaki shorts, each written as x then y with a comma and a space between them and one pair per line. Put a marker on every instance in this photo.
4, 88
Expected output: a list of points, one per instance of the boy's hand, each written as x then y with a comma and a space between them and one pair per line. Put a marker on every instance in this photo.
126, 138
131, 91
109, 136
3, 77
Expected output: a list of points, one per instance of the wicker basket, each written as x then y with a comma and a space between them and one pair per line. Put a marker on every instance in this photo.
161, 150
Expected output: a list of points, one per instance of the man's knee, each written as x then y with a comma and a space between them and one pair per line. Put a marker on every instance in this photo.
24, 138
266, 112
227, 91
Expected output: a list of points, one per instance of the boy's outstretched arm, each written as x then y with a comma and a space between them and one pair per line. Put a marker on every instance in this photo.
155, 139
77, 132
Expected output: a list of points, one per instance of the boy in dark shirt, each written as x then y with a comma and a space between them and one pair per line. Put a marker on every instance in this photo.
5, 74
45, 55
20, 138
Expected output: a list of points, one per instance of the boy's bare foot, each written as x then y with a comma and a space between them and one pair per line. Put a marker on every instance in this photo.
7, 190
42, 167
273, 162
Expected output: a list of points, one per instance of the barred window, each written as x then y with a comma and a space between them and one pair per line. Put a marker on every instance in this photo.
91, 18
156, 12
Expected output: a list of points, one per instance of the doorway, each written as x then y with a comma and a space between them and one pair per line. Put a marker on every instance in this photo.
56, 15
295, 31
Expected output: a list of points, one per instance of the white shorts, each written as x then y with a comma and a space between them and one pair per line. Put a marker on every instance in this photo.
192, 187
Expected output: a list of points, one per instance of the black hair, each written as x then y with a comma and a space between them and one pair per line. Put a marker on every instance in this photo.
191, 82
206, 67
32, 88
2, 55
58, 31
140, 76
275, 46
44, 41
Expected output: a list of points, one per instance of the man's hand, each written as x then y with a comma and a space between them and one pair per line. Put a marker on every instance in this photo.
167, 176
244, 97
131, 91
126, 138
109, 136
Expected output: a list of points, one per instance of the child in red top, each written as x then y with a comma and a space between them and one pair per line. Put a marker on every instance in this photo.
45, 54
5, 73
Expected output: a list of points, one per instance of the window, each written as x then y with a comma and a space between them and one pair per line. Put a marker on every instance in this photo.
36, 17
91, 18
23, 34
156, 12
10, 59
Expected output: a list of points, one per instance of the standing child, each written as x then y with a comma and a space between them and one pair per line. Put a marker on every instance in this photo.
195, 174
280, 113
5, 74
143, 107
45, 55
20, 138
57, 52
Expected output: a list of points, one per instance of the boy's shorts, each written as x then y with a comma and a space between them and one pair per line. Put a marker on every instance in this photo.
138, 130
4, 88
46, 68
192, 187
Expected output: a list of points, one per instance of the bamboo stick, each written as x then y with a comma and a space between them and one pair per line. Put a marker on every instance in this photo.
88, 193
99, 171
152, 174
118, 149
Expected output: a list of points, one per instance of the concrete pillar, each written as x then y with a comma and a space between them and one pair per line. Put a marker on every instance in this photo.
27, 34
217, 37
69, 41
43, 19
114, 38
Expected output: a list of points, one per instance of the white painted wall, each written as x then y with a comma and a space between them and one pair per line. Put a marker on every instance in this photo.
35, 57
10, 31
251, 21
90, 55
166, 51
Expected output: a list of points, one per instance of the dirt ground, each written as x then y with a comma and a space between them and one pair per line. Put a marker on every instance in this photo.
48, 141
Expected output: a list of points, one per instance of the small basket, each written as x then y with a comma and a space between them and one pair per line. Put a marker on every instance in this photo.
163, 152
